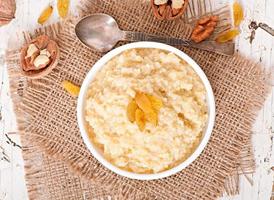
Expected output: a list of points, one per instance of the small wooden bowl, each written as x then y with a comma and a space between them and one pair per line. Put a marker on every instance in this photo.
35, 74
168, 15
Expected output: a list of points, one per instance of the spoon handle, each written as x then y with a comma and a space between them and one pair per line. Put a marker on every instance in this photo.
138, 36
267, 28
224, 49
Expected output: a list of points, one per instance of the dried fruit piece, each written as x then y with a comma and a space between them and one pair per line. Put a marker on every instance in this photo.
63, 7
45, 15
140, 119
238, 13
152, 117
143, 102
72, 89
227, 36
148, 104
156, 103
204, 28
131, 108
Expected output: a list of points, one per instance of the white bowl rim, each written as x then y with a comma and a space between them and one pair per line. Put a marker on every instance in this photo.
81, 100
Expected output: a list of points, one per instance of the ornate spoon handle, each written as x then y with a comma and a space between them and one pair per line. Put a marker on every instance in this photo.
266, 28
225, 49
138, 36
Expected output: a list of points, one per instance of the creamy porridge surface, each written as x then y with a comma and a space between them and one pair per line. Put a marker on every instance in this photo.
181, 120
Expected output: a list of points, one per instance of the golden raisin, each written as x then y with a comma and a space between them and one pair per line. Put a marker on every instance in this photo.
156, 103
143, 102
140, 119
152, 117
63, 7
227, 36
144, 108
131, 108
72, 89
238, 13
45, 15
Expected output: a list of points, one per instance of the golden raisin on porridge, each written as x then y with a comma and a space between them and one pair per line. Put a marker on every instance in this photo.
140, 119
148, 104
156, 103
143, 102
131, 109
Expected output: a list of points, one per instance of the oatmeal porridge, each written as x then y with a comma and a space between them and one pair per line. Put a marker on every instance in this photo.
146, 110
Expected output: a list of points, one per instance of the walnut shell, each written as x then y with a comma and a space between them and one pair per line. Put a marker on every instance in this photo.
42, 42
166, 12
7, 11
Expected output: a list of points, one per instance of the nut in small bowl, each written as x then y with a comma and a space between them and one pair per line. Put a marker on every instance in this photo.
168, 9
39, 57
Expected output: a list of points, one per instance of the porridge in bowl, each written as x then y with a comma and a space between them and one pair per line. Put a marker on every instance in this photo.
146, 110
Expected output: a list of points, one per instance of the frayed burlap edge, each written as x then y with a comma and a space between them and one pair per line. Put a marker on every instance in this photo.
18, 87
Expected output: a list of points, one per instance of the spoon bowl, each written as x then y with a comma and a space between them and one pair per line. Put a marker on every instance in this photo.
99, 31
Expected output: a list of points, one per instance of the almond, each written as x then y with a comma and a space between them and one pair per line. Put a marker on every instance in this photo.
45, 52
41, 61
31, 50
160, 2
177, 4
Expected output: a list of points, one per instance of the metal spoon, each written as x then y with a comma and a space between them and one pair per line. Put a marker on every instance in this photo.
101, 31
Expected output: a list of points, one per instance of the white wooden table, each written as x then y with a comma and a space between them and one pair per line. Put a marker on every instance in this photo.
12, 183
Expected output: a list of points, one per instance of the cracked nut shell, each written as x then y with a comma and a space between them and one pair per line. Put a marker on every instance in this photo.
165, 10
42, 42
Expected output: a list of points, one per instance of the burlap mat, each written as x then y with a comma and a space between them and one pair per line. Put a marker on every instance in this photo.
46, 117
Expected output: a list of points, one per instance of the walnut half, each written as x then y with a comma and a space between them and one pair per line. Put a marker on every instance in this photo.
204, 28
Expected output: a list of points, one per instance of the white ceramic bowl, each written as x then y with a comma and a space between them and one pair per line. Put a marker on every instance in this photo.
97, 152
